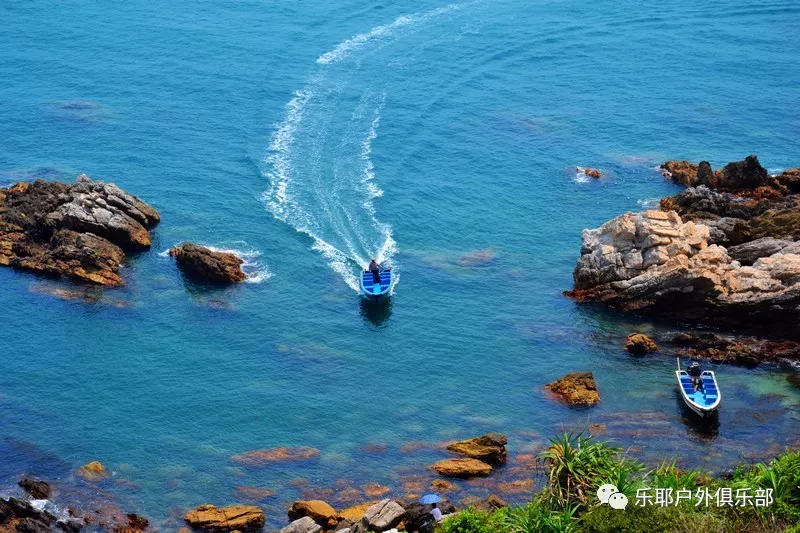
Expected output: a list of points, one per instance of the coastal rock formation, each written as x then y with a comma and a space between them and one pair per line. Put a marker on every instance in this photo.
639, 343
94, 471
489, 448
319, 511
231, 518
20, 516
203, 264
576, 388
655, 262
39, 490
280, 454
592, 173
356, 512
462, 468
745, 351
302, 525
78, 231
739, 175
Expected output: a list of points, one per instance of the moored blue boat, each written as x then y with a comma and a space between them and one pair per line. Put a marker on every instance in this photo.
376, 289
703, 401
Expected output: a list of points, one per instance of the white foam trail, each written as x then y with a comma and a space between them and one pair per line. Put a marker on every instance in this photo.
344, 49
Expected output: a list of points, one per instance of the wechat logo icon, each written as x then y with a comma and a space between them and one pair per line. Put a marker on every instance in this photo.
609, 494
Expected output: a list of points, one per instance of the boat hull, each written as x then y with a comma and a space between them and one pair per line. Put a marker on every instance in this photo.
379, 290
703, 402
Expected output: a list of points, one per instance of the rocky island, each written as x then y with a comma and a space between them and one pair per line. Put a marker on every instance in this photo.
722, 252
81, 230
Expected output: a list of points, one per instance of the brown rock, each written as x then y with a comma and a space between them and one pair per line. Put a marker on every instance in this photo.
355, 513
252, 494
491, 503
489, 448
593, 173
94, 471
790, 179
77, 230
231, 518
442, 485
319, 511
280, 454
39, 490
682, 172
576, 388
639, 343
203, 264
373, 490
462, 468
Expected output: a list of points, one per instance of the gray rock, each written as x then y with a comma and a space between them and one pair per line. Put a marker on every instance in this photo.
302, 525
383, 516
748, 253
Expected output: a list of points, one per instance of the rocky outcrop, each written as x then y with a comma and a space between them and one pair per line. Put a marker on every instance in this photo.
319, 511
576, 388
655, 262
462, 468
79, 231
38, 490
231, 518
750, 252
205, 265
746, 351
592, 173
682, 172
20, 516
639, 343
746, 175
489, 448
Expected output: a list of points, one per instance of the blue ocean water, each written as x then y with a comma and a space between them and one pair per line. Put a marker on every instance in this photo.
442, 138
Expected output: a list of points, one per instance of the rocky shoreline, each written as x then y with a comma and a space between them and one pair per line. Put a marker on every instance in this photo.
723, 252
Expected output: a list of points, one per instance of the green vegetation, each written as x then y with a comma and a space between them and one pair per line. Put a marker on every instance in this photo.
664, 499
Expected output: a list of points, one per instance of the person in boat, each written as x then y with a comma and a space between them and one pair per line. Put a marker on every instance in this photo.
695, 373
375, 268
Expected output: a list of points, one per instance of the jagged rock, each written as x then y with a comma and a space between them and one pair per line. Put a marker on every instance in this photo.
704, 173
94, 471
492, 503
747, 174
20, 516
77, 231
655, 262
203, 264
593, 173
726, 231
319, 511
748, 253
231, 518
462, 468
682, 172
576, 388
489, 448
779, 218
383, 516
744, 351
639, 343
39, 490
302, 525
790, 179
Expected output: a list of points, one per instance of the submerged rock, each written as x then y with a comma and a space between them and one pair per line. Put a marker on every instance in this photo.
576, 388
745, 351
639, 343
203, 264
462, 468
77, 231
489, 448
280, 454
231, 518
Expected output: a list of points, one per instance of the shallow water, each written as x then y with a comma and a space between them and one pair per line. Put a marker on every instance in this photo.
310, 135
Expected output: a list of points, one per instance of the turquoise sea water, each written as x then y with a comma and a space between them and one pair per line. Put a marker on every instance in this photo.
311, 135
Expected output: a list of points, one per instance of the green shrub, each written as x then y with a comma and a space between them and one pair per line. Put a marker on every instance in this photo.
472, 521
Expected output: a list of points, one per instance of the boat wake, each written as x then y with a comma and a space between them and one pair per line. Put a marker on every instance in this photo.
319, 162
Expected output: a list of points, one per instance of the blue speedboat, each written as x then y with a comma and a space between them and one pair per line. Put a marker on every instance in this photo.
373, 290
703, 401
